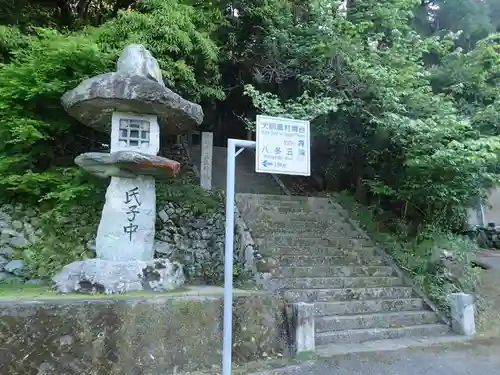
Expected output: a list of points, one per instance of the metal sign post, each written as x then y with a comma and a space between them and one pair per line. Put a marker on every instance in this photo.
228, 251
283, 147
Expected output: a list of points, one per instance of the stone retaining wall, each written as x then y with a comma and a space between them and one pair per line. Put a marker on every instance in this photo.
132, 336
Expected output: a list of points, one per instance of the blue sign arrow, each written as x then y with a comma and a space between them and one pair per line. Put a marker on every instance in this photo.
266, 164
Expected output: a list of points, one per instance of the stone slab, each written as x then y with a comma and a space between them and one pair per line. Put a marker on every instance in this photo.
130, 336
116, 277
387, 345
372, 334
127, 164
94, 100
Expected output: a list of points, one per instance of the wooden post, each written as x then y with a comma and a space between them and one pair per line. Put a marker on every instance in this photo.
207, 140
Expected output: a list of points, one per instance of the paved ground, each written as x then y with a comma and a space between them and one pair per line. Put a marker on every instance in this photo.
460, 359
488, 259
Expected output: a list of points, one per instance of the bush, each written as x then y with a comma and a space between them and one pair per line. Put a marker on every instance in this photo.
38, 140
439, 262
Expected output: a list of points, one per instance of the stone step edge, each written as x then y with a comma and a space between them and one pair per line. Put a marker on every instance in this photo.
282, 197
372, 315
391, 314
376, 330
342, 265
389, 344
334, 277
339, 302
340, 289
306, 256
332, 247
341, 236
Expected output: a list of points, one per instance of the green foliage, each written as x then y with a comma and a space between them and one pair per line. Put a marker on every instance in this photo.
38, 140
302, 108
191, 196
419, 255
35, 132
178, 35
387, 134
66, 229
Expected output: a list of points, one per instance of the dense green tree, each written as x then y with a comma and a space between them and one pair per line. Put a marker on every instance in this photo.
388, 136
38, 140
419, 140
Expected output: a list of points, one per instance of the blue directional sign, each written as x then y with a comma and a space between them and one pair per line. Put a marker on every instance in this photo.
266, 164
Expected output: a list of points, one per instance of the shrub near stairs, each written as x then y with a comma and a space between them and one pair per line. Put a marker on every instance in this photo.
422, 255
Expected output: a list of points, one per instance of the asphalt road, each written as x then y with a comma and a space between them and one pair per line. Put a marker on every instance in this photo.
461, 359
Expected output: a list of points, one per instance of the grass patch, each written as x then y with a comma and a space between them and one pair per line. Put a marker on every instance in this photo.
34, 292
40, 292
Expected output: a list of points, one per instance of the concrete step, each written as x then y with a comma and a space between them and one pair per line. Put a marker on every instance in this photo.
368, 306
328, 295
327, 217
280, 197
271, 205
285, 199
396, 344
343, 259
297, 211
334, 282
371, 334
263, 230
396, 319
284, 225
335, 271
291, 239
318, 251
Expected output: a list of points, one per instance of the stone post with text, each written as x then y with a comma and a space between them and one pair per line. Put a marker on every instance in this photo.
206, 163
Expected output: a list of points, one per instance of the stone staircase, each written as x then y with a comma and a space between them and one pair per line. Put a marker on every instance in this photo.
321, 258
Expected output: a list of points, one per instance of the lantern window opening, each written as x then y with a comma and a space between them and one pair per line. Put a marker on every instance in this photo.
134, 133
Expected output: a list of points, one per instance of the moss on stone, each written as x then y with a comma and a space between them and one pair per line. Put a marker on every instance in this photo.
153, 335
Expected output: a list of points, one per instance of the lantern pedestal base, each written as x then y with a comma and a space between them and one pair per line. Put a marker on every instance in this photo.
117, 277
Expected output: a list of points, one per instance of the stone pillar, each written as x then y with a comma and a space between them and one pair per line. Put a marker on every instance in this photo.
127, 227
303, 329
207, 141
463, 314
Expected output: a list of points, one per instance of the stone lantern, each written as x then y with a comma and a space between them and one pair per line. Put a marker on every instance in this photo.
133, 105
